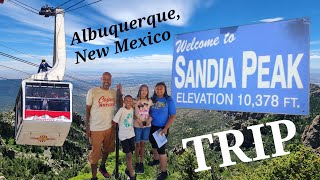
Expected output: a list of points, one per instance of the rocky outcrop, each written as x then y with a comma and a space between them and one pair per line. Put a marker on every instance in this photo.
243, 115
314, 90
311, 134
178, 150
77, 119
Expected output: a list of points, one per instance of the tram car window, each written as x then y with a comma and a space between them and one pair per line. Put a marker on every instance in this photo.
42, 99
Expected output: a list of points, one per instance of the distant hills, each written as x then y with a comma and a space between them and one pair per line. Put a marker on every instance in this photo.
130, 83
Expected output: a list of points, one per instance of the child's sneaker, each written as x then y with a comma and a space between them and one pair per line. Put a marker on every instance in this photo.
137, 168
141, 168
154, 162
128, 174
162, 175
104, 172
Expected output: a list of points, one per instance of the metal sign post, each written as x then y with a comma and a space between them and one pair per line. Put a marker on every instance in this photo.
117, 176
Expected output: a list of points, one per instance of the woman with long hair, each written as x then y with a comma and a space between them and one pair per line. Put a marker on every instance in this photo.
163, 113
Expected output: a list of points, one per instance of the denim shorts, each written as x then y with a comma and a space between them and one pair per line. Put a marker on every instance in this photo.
141, 134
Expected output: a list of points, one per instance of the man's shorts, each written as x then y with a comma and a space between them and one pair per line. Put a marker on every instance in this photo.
101, 139
128, 145
142, 134
153, 142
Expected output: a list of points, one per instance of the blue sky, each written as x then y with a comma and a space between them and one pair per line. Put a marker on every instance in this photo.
33, 34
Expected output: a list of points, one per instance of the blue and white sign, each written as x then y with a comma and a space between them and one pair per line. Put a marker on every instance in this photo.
252, 68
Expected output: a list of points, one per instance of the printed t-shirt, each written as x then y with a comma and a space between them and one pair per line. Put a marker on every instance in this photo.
124, 118
141, 110
102, 104
161, 110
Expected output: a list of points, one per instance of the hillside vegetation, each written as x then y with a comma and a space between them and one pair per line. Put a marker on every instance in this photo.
70, 160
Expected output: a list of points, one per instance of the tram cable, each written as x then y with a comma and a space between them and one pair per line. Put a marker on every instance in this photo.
36, 65
26, 5
74, 5
19, 51
36, 11
31, 74
62, 4
17, 59
15, 69
82, 6
19, 5
77, 86
9, 80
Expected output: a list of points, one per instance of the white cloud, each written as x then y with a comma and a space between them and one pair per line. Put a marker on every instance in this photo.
141, 63
41, 26
29, 32
103, 13
315, 54
137, 64
315, 42
74, 24
133, 9
30, 19
98, 15
272, 19
315, 57
73, 47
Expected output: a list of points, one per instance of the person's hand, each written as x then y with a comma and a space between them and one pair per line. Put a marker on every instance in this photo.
88, 132
114, 126
139, 122
149, 121
119, 87
164, 131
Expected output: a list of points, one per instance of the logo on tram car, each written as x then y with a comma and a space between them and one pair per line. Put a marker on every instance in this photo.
43, 138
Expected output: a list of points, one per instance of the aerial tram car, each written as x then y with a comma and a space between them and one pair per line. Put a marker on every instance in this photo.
43, 109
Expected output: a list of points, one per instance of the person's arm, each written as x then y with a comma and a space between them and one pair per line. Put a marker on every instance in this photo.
136, 118
150, 118
136, 115
88, 111
119, 97
149, 121
172, 116
116, 118
169, 123
39, 68
48, 65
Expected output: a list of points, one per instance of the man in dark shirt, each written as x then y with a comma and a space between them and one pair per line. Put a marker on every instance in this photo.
43, 67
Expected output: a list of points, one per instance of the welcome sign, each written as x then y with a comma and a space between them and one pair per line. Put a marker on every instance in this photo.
252, 68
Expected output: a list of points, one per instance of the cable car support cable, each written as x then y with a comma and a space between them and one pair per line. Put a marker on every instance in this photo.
62, 4
26, 5
28, 9
35, 65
